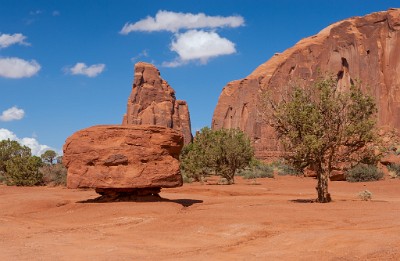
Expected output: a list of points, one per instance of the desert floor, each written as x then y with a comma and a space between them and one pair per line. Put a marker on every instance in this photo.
273, 220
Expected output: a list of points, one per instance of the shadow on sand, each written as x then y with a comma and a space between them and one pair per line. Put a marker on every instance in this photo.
303, 200
152, 198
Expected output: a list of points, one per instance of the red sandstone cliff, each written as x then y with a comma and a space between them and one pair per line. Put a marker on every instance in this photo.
152, 101
366, 48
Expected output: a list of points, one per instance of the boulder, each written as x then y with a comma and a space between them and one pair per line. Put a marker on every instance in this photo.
127, 158
366, 48
390, 159
152, 101
337, 175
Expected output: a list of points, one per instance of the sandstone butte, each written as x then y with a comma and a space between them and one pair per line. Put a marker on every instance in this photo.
152, 101
365, 48
129, 158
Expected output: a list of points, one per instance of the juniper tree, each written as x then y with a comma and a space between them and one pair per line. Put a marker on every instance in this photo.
321, 126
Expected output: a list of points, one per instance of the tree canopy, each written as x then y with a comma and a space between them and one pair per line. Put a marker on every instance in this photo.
220, 151
49, 156
321, 126
17, 165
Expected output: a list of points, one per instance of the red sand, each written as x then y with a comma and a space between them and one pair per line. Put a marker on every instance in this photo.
270, 221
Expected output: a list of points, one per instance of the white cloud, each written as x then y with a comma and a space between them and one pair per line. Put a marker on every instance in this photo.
143, 53
36, 148
55, 13
12, 114
18, 68
199, 45
9, 39
173, 22
89, 71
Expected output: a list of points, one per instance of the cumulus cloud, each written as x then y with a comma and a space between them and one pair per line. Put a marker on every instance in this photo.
89, 71
9, 39
15, 68
199, 45
36, 148
12, 114
173, 22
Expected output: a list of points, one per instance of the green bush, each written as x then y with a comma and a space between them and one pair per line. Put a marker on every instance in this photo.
395, 168
54, 175
23, 171
284, 169
259, 171
220, 152
362, 173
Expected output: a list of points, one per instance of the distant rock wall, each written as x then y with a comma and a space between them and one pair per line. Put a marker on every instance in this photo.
152, 102
365, 48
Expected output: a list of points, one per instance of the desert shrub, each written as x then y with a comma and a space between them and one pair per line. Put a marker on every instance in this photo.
23, 171
258, 171
365, 195
362, 173
284, 169
54, 175
220, 152
2, 177
395, 168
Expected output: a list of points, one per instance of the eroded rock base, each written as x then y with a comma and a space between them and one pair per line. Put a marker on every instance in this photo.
127, 194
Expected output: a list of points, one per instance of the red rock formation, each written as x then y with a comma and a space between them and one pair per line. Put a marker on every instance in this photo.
152, 101
123, 157
366, 48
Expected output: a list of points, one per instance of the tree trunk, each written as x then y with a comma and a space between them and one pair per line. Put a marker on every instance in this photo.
322, 186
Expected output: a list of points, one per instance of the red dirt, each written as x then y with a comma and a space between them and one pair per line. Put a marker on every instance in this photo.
270, 221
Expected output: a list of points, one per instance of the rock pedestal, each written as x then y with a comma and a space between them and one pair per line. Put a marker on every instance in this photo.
135, 159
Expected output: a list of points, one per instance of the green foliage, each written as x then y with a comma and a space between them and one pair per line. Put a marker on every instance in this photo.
257, 171
54, 175
23, 171
365, 195
18, 166
286, 169
395, 168
9, 149
322, 126
222, 152
48, 156
363, 173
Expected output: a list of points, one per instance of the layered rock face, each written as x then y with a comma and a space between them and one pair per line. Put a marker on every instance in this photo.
123, 158
152, 101
365, 48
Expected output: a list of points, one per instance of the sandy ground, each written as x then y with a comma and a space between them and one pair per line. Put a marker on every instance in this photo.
270, 221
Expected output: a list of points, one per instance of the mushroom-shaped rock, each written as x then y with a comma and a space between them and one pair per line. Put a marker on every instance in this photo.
123, 158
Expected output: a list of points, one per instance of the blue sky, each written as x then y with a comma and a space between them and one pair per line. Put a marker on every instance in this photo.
67, 65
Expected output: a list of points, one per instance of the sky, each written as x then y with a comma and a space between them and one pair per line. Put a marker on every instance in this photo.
66, 65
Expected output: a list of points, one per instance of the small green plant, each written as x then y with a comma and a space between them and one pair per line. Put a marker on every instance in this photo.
365, 195
395, 169
363, 173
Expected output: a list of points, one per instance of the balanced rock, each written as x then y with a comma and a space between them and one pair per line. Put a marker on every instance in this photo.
130, 158
152, 101
365, 48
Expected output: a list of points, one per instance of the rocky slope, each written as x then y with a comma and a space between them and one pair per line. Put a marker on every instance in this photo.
366, 48
152, 102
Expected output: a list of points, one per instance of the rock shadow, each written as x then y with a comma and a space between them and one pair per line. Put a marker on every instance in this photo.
151, 198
